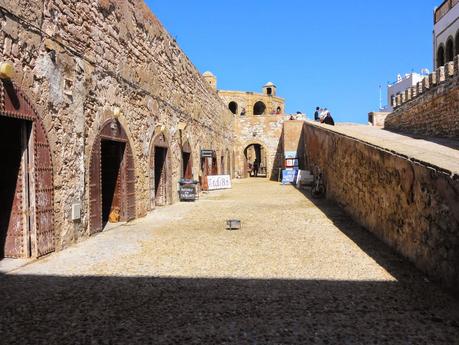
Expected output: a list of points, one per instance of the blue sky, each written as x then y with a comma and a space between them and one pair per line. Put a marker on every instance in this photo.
332, 53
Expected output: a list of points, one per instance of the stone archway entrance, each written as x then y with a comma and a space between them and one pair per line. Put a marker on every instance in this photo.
111, 178
255, 164
160, 172
26, 179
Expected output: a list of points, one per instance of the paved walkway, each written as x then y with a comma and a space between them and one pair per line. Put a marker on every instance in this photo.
296, 273
439, 153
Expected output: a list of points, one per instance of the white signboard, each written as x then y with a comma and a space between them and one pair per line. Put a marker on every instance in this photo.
219, 182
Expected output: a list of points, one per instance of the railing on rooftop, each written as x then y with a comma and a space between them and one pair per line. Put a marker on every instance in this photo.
443, 9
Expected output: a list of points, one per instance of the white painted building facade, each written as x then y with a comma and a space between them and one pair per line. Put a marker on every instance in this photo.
446, 32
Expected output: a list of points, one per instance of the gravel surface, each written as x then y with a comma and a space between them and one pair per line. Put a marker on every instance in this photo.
298, 272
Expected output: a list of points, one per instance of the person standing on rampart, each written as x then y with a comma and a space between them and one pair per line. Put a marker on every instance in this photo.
317, 113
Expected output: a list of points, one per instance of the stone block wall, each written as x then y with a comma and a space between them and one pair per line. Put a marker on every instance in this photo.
412, 207
377, 118
76, 60
431, 107
263, 130
247, 100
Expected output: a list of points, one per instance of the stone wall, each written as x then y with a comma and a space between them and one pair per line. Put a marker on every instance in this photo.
377, 118
412, 207
431, 107
76, 60
247, 101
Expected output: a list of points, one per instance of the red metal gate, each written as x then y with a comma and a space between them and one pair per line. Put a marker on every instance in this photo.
129, 183
32, 211
43, 200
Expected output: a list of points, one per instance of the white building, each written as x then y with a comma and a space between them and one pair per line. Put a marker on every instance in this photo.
446, 32
402, 83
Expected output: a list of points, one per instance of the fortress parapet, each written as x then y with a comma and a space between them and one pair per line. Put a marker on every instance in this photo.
429, 107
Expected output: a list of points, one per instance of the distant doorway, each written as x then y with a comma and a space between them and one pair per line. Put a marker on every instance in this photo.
255, 161
187, 162
111, 178
112, 153
160, 171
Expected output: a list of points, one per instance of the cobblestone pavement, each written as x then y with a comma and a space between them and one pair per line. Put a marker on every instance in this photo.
296, 273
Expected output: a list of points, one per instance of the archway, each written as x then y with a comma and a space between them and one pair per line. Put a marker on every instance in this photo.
111, 178
160, 171
255, 161
26, 179
440, 56
449, 50
259, 108
187, 161
233, 107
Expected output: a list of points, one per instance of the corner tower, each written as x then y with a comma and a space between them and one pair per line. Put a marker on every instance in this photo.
270, 89
211, 79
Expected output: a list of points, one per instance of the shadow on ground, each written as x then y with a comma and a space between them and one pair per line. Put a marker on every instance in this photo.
148, 310
162, 310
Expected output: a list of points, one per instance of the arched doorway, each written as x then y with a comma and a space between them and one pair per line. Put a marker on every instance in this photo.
233, 107
160, 171
255, 161
259, 108
111, 178
26, 179
449, 50
187, 161
440, 56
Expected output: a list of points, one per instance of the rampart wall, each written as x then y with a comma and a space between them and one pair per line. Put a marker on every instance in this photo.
76, 60
411, 206
431, 107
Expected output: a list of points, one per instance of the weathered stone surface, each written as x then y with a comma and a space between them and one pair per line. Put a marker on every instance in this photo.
410, 205
433, 112
76, 60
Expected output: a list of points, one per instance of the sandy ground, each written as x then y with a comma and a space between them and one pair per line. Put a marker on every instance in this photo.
297, 272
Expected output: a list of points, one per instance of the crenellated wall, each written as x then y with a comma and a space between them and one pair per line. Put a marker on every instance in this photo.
76, 61
431, 107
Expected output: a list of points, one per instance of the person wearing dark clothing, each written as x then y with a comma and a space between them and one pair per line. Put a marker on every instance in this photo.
317, 114
328, 120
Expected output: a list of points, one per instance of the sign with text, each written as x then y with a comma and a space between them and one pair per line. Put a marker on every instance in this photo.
216, 182
289, 176
207, 153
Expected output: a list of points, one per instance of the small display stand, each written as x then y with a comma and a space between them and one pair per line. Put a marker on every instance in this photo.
188, 190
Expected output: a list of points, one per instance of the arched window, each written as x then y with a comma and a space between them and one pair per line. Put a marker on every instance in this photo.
440, 56
456, 44
259, 108
269, 91
450, 50
233, 107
